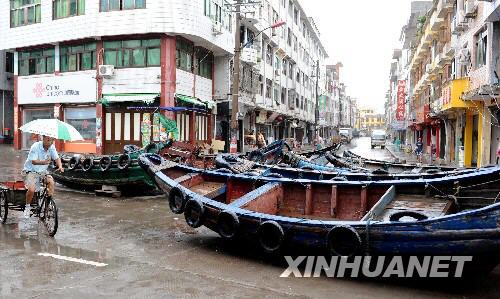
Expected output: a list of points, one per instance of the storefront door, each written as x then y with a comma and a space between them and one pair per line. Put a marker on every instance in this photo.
124, 127
32, 114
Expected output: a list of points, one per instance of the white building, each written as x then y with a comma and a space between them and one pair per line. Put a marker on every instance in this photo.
146, 51
278, 81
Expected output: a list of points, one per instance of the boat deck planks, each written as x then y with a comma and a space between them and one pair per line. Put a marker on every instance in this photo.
430, 207
204, 188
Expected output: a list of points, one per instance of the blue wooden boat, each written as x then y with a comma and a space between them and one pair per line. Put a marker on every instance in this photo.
452, 215
297, 167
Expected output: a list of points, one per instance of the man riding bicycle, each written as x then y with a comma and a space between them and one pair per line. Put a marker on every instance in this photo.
36, 165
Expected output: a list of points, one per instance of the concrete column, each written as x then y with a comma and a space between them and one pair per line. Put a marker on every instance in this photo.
469, 123
99, 109
447, 148
485, 136
168, 73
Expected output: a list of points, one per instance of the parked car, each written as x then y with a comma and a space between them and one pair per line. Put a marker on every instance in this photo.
378, 138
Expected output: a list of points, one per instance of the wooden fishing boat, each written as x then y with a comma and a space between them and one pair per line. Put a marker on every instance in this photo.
352, 158
92, 172
455, 215
297, 167
122, 171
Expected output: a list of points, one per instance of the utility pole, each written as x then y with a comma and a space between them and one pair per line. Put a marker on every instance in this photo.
316, 112
236, 74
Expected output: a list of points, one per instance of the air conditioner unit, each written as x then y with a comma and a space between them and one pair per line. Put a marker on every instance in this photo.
428, 68
217, 28
106, 70
470, 9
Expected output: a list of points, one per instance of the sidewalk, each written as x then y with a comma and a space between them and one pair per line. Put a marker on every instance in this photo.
411, 158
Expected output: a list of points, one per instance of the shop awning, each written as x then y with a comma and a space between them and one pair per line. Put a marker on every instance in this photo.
195, 101
483, 93
130, 97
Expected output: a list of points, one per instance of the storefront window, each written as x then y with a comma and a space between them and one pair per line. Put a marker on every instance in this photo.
132, 53
84, 121
32, 114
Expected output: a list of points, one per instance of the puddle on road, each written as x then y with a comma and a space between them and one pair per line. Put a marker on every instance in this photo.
36, 240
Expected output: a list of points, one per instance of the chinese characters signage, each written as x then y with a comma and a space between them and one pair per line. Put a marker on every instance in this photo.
400, 109
74, 88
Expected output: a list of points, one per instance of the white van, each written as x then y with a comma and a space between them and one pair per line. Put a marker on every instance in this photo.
378, 138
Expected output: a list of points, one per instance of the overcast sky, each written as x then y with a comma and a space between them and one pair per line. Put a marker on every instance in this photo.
362, 35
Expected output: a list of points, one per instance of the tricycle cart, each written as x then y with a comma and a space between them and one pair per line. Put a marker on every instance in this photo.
13, 197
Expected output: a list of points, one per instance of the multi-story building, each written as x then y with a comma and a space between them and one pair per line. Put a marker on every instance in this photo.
370, 120
452, 82
282, 75
399, 115
89, 61
6, 95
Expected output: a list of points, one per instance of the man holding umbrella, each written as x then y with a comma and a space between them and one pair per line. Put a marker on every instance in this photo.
37, 163
42, 152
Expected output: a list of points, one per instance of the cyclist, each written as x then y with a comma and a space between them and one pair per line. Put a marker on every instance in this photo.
39, 157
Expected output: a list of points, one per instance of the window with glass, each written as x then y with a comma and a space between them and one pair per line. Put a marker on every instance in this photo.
36, 62
132, 53
84, 121
25, 12
205, 63
9, 62
269, 55
184, 55
67, 8
110, 5
77, 57
219, 11
481, 49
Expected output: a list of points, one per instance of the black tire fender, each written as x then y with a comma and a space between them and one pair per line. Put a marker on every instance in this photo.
343, 240
413, 214
228, 224
105, 163
271, 236
74, 162
176, 200
194, 212
124, 161
87, 164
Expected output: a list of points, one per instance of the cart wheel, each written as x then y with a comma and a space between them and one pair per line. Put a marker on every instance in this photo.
50, 216
4, 207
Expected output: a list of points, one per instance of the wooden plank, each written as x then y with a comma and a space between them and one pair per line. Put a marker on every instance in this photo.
190, 179
333, 201
245, 199
379, 207
309, 200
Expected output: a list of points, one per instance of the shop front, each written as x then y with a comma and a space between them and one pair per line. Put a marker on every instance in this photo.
67, 97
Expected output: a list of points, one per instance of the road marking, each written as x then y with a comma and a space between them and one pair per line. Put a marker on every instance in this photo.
72, 259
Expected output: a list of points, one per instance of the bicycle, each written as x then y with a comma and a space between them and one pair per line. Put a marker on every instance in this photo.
13, 197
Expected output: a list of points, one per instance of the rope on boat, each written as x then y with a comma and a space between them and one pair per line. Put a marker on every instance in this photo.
480, 184
496, 198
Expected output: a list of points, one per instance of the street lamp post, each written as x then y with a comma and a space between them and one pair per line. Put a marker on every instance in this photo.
236, 69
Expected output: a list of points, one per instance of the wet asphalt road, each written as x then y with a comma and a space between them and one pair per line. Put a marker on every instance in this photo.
152, 253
